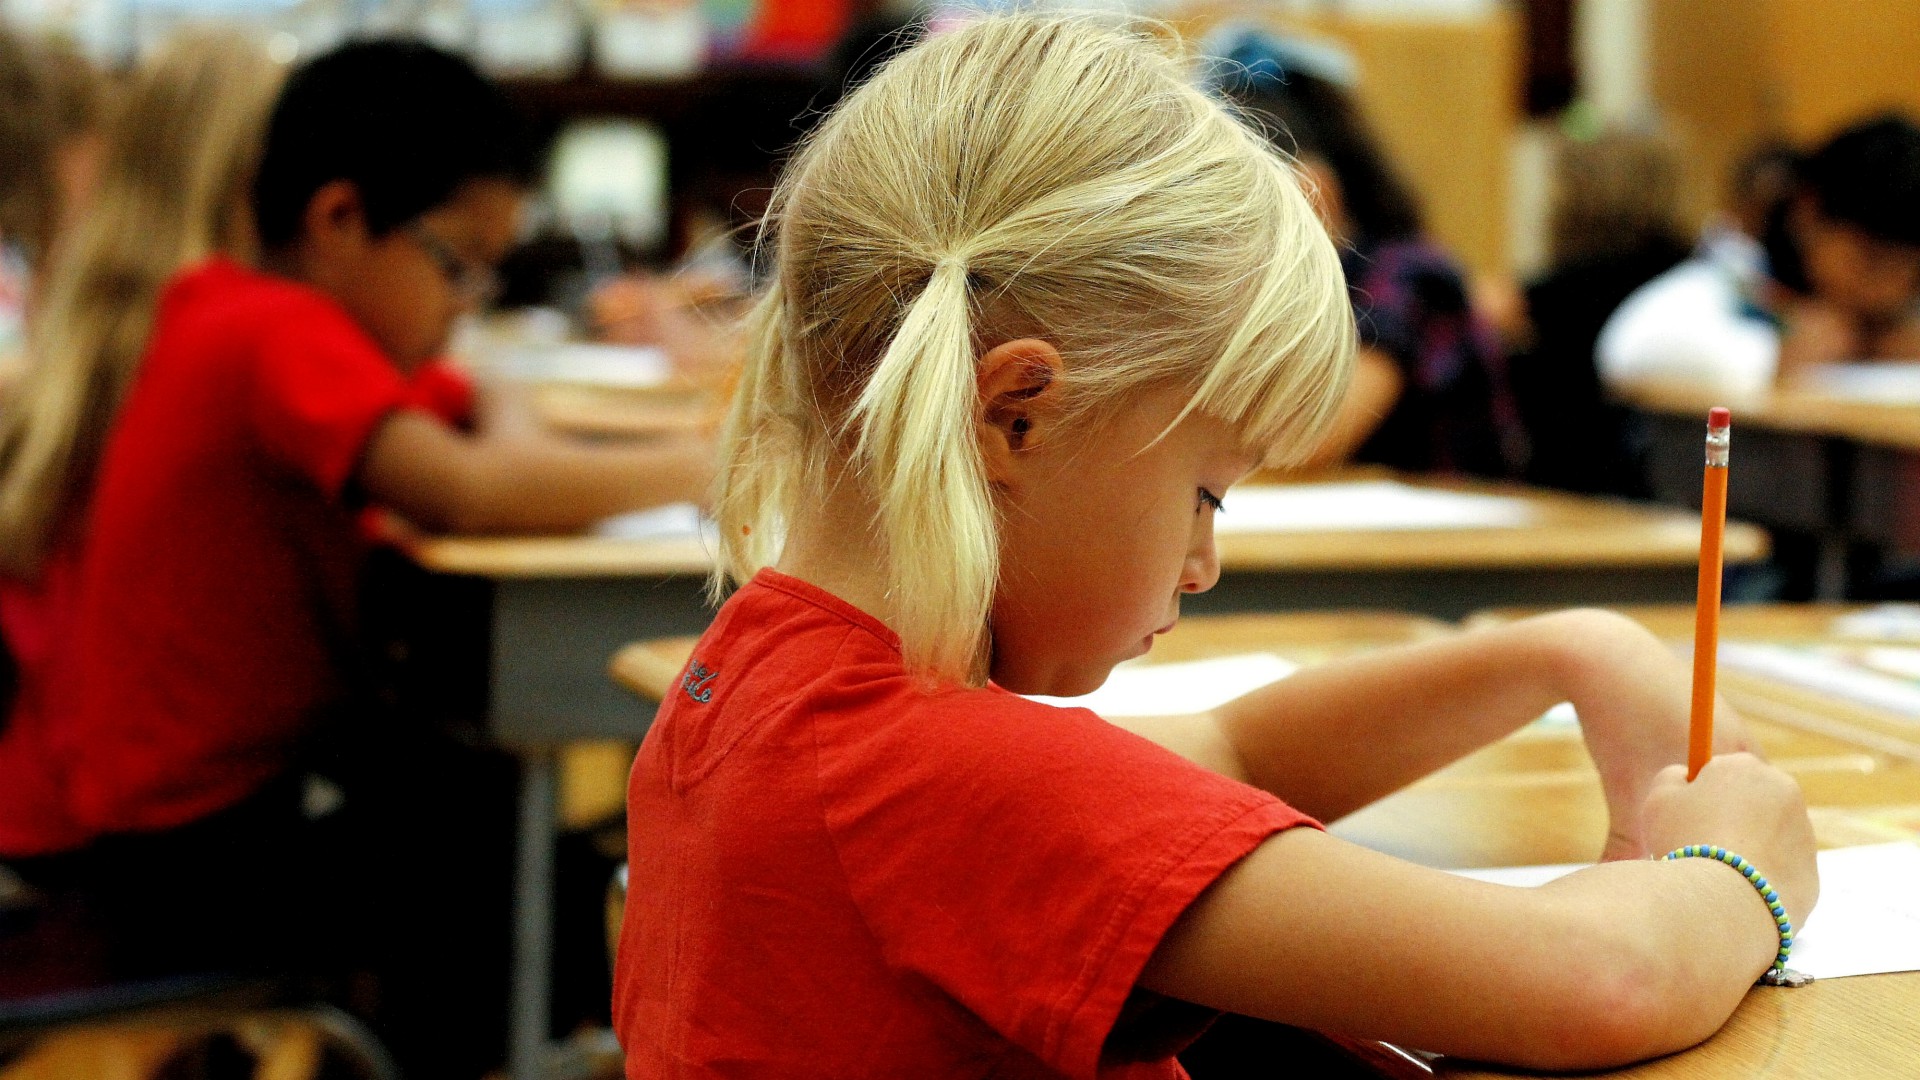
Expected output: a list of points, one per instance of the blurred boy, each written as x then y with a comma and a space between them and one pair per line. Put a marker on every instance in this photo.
1840, 280
215, 639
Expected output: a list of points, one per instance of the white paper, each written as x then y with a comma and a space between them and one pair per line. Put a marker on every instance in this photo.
1882, 622
1137, 689
1371, 504
1866, 923
1809, 668
1895, 383
678, 521
618, 367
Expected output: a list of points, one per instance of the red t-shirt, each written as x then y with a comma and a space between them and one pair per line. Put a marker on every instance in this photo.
837, 872
217, 579
36, 623
37, 741
443, 389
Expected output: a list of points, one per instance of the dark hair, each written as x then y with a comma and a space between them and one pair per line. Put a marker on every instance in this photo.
407, 123
1869, 176
1315, 116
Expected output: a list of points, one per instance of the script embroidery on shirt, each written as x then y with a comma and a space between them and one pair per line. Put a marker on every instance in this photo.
698, 682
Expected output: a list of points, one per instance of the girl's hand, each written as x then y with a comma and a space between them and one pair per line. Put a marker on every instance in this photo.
1748, 807
1634, 697
1817, 333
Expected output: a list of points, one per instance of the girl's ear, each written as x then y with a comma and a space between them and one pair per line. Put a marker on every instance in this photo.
1018, 402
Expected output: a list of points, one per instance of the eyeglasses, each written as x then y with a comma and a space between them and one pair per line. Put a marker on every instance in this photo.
476, 283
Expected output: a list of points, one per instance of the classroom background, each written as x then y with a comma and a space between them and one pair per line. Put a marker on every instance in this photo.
1513, 185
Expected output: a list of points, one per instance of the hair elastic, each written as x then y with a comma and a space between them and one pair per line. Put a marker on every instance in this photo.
1777, 975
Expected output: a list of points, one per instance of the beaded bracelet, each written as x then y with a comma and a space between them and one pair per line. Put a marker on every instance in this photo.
1777, 975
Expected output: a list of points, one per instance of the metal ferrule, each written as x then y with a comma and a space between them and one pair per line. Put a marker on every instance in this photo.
1718, 439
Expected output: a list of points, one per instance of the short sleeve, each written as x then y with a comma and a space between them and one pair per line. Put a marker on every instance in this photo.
441, 388
316, 388
1024, 859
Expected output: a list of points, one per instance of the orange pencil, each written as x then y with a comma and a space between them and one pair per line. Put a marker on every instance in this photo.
1706, 625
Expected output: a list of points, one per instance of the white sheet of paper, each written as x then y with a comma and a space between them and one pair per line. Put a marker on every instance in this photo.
1867, 921
1881, 383
1136, 689
1369, 504
1829, 675
1882, 622
676, 521
617, 367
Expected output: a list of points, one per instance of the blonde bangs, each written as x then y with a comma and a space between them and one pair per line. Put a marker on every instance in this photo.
1280, 375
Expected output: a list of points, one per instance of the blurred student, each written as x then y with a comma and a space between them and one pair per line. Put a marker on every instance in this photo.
49, 162
1759, 196
174, 191
1612, 228
216, 700
1430, 390
1840, 279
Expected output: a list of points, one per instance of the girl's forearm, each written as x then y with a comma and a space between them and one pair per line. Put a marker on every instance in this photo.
1333, 738
550, 485
1607, 966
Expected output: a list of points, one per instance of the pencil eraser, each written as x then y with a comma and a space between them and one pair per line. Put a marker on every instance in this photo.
1719, 417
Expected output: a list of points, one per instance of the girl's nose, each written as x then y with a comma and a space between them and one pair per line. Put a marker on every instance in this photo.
1202, 569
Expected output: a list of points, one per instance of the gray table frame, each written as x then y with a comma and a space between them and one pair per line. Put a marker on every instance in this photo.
1857, 500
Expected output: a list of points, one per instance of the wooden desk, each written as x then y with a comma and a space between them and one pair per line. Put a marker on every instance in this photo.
1576, 550
1842, 1028
1857, 1027
1534, 798
650, 668
1886, 735
623, 414
538, 616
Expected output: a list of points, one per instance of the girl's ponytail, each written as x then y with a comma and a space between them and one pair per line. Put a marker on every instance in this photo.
915, 442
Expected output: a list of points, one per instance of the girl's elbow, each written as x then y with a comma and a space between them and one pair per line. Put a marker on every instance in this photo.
1621, 1005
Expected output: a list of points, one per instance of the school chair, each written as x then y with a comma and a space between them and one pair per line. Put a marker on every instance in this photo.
65, 1011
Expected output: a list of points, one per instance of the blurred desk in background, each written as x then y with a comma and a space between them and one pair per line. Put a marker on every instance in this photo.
1448, 547
1837, 459
615, 414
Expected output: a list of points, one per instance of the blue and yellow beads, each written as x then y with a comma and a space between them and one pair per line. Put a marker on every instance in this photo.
1778, 973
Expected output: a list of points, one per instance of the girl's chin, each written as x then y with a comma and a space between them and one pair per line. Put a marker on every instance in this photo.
1061, 682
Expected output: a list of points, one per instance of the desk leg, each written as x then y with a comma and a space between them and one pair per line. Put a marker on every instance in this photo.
1832, 574
527, 1046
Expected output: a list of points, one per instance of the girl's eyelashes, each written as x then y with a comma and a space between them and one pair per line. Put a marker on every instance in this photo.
1208, 498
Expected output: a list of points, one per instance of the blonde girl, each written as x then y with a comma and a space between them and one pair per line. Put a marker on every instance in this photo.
1037, 304
49, 140
173, 191
49, 162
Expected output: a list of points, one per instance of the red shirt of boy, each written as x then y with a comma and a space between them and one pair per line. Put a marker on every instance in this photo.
213, 617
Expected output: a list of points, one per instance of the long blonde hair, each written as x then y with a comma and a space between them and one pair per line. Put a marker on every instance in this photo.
1056, 173
173, 191
53, 97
